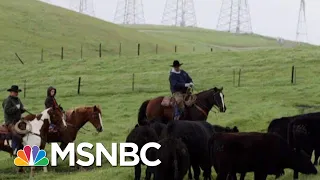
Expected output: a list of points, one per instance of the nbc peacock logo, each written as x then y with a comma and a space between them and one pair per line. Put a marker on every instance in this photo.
31, 157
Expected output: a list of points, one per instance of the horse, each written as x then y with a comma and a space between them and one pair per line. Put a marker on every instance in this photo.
36, 128
196, 111
76, 119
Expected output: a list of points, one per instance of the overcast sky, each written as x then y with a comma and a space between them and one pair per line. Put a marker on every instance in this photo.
276, 18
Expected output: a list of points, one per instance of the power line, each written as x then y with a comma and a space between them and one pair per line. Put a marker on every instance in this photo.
235, 17
179, 13
129, 12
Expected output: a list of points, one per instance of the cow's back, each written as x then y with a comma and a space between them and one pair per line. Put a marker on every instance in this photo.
280, 126
246, 152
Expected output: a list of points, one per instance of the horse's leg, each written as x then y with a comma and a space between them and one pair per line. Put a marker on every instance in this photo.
45, 169
21, 170
32, 172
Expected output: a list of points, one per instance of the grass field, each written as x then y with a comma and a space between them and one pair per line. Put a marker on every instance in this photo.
265, 91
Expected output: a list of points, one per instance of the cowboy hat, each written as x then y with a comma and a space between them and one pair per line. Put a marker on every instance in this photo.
14, 88
176, 63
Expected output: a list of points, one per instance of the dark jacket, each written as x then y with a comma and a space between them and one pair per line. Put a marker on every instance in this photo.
50, 100
178, 81
11, 113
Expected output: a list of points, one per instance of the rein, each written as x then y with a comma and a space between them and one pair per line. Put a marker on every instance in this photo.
75, 127
202, 110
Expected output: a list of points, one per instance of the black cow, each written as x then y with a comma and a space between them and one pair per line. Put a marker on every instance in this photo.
174, 157
304, 134
141, 135
211, 129
196, 136
261, 153
280, 126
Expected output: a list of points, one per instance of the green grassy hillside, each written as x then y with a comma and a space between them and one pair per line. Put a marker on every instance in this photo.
29, 26
204, 38
265, 91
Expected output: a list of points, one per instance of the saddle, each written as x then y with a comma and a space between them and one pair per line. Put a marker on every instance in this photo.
189, 100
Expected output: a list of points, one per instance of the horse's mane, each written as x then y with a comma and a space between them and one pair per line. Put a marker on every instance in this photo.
205, 91
83, 109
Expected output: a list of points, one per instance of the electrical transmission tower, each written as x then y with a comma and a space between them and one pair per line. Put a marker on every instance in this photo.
235, 17
179, 13
83, 6
129, 12
302, 35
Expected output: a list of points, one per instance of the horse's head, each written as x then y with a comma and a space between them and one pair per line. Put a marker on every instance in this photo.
218, 99
96, 119
55, 116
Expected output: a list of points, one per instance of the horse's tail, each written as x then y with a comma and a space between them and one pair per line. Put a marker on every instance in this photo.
142, 115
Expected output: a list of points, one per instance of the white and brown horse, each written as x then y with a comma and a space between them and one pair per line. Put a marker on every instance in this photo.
35, 130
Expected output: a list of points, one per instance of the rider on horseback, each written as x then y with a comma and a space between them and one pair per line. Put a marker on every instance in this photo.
180, 81
51, 101
13, 109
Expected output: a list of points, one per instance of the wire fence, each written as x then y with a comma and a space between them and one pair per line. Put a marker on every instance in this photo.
99, 50
154, 82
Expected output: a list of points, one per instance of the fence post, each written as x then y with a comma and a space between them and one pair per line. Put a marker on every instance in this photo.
211, 49
239, 77
79, 84
175, 48
194, 49
81, 52
139, 49
41, 55
292, 74
156, 48
234, 78
100, 50
62, 53
24, 88
295, 75
133, 82
120, 47
19, 58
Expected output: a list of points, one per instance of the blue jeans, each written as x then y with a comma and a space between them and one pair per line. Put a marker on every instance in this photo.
52, 126
177, 111
16, 143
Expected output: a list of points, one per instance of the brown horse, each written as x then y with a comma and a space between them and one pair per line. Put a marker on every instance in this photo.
76, 119
197, 111
34, 130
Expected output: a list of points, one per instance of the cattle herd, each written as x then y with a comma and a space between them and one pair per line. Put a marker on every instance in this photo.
199, 145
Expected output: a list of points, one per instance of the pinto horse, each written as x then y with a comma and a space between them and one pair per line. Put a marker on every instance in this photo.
76, 119
34, 129
153, 108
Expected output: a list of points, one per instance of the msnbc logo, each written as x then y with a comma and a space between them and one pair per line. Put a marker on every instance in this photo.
31, 157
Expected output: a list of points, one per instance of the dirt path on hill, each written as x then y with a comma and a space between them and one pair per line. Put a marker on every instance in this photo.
230, 48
